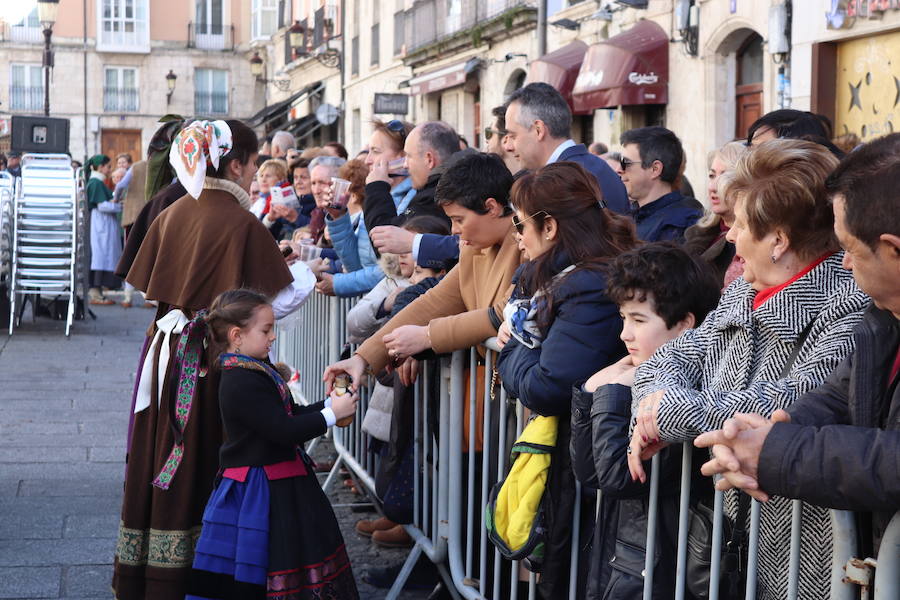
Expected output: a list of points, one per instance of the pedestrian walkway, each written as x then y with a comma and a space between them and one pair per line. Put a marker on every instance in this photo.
63, 423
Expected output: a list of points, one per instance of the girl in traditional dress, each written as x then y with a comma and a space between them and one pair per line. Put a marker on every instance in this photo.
106, 236
268, 529
205, 243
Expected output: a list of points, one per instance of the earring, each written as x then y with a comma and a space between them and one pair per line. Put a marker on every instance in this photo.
773, 259
237, 350
548, 238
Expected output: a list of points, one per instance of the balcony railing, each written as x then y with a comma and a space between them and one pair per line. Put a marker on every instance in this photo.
434, 20
120, 99
28, 98
29, 35
211, 103
210, 36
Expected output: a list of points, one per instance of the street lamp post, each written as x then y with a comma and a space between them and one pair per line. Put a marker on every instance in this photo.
170, 83
47, 11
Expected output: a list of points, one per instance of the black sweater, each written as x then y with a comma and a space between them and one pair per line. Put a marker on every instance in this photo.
257, 430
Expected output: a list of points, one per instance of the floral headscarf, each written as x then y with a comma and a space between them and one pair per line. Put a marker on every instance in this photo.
199, 143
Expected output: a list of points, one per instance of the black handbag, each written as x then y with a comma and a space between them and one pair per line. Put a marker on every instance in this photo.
733, 565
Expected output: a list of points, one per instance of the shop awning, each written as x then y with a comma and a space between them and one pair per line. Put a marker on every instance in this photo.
281, 108
627, 69
559, 68
443, 78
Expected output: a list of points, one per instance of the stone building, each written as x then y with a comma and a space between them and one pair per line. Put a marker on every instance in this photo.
111, 62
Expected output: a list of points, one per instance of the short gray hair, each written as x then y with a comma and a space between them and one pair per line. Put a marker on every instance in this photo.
438, 137
283, 140
333, 163
542, 102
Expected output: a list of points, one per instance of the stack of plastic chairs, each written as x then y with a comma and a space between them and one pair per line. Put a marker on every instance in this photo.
45, 240
7, 189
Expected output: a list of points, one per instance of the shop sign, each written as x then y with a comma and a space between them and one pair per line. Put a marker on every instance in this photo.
643, 78
843, 12
391, 104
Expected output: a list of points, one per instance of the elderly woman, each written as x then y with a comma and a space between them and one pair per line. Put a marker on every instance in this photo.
560, 326
777, 332
707, 238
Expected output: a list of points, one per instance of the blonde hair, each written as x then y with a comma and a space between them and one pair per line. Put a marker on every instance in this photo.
729, 154
782, 185
277, 165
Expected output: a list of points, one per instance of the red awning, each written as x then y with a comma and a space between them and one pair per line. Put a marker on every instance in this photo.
627, 69
559, 68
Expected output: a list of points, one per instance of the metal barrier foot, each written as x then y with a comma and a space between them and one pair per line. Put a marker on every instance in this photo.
404, 573
333, 473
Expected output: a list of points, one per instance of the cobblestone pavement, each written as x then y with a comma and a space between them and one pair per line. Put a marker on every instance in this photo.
63, 423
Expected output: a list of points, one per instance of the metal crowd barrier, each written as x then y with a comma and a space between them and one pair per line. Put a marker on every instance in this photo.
452, 482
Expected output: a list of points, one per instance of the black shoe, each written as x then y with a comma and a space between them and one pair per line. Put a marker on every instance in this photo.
423, 576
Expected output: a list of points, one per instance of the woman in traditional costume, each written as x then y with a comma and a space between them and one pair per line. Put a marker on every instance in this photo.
205, 243
268, 529
106, 235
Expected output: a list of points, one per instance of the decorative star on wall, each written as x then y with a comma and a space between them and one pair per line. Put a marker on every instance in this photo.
854, 95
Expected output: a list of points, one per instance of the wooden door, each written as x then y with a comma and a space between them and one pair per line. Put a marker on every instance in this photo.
749, 108
749, 89
116, 141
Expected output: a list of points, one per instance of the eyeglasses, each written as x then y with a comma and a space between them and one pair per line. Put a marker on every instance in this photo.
520, 225
488, 132
626, 162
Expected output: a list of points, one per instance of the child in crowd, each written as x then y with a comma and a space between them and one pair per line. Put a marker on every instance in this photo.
661, 291
268, 529
271, 173
390, 421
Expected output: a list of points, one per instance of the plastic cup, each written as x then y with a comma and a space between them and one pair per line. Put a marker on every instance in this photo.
308, 252
341, 189
397, 167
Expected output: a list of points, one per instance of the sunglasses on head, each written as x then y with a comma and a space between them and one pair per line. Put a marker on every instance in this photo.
520, 225
488, 132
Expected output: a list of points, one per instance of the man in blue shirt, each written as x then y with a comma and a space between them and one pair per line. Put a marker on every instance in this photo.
652, 163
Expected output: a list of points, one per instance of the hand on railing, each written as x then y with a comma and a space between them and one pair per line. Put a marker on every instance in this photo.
736, 449
408, 371
407, 341
355, 367
503, 334
645, 439
326, 284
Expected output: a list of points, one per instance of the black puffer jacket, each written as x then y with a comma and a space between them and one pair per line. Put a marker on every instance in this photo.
598, 446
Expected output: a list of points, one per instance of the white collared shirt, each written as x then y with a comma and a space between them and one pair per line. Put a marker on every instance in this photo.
559, 150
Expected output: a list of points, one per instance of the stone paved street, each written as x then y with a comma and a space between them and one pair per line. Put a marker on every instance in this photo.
63, 422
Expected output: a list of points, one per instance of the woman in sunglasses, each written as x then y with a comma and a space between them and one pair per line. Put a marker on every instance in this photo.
560, 326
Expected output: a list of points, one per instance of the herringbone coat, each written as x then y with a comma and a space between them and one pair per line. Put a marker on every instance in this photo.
733, 363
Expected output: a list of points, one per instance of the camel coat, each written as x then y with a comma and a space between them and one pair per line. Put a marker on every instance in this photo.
463, 309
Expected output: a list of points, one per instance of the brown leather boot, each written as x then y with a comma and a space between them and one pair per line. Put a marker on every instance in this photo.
367, 528
395, 537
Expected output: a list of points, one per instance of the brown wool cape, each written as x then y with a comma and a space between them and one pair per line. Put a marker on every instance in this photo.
194, 250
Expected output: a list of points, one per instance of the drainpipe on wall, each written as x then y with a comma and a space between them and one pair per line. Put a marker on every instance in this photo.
84, 52
343, 132
542, 28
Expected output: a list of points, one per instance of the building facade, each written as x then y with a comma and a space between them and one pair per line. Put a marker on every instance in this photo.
111, 61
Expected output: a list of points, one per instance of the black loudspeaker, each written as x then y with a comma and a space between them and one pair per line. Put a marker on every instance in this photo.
43, 135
